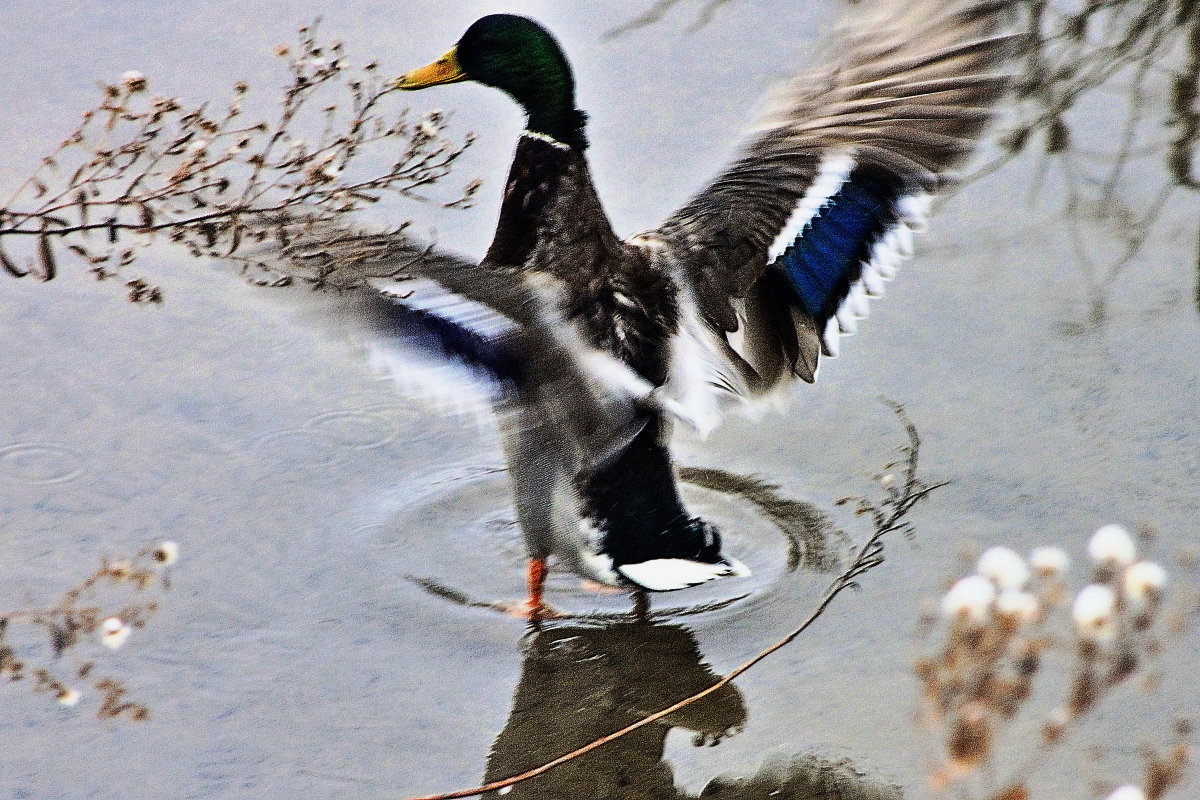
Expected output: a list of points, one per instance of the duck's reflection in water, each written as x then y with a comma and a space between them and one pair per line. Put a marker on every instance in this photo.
579, 683
801, 778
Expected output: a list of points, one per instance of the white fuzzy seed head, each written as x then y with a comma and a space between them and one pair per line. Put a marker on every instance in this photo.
1049, 561
113, 633
1112, 544
971, 598
1128, 793
1143, 580
1003, 566
1018, 605
167, 553
68, 697
1093, 611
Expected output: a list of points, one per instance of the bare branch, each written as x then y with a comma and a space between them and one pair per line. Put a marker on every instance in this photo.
139, 166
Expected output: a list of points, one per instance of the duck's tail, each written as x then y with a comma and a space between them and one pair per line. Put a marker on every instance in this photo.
633, 505
680, 572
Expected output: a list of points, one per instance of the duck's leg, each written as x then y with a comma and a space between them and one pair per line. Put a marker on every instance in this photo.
530, 446
641, 604
534, 608
536, 577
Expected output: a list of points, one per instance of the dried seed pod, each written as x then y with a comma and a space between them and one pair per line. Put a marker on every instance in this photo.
970, 739
1004, 566
1127, 793
1112, 545
166, 553
1049, 562
1093, 610
10, 267
1142, 582
47, 265
113, 632
971, 599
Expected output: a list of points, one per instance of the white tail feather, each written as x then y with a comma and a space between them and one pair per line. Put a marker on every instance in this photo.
669, 574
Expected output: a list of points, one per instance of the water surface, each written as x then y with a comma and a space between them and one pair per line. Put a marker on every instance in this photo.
294, 658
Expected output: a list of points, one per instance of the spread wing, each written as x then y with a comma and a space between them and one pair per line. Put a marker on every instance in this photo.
467, 335
779, 254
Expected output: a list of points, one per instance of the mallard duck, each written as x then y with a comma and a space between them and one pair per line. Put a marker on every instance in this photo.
598, 344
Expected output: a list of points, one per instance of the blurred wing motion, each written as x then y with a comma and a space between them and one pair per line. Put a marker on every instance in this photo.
470, 337
779, 255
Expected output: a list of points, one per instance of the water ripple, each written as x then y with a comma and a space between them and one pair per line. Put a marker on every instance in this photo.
41, 463
360, 430
303, 449
458, 538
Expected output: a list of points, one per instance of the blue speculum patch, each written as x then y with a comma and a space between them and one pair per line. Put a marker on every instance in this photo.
827, 257
473, 348
440, 334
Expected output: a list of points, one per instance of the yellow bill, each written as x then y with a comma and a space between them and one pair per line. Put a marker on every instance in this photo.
445, 70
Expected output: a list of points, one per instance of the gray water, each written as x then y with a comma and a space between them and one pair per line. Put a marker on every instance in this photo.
293, 657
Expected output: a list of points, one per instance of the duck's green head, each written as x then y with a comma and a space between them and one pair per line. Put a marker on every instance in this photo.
517, 56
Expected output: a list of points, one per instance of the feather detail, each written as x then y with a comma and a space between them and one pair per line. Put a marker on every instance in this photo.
831, 175
548, 139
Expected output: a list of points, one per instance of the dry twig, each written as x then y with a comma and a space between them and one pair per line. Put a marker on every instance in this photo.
119, 597
204, 177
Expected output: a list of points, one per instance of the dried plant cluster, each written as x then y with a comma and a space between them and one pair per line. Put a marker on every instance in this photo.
105, 608
1000, 626
139, 166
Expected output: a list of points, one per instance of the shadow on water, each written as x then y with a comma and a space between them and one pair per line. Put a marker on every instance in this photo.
581, 682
